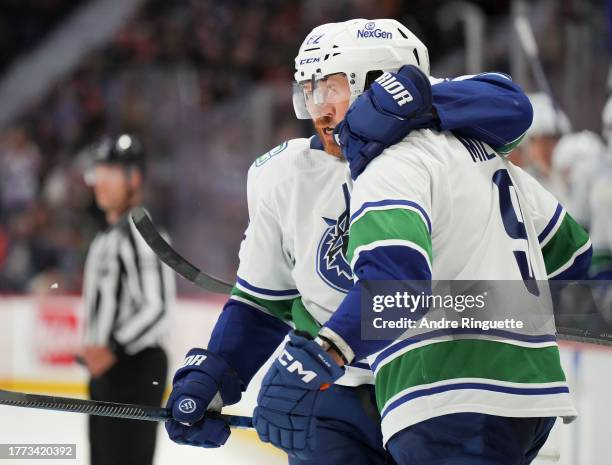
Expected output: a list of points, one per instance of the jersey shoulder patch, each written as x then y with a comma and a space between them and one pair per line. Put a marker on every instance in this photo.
271, 153
279, 164
281, 154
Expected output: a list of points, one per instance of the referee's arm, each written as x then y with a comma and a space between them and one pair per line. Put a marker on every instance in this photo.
147, 289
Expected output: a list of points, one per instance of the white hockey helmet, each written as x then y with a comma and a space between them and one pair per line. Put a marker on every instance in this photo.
547, 120
354, 48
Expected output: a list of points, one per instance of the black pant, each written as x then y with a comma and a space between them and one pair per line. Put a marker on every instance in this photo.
135, 379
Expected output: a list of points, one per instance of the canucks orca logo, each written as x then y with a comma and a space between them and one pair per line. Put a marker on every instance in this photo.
332, 266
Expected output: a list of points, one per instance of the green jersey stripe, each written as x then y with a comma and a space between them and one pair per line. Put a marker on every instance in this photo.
510, 146
393, 224
303, 320
468, 358
562, 247
290, 310
279, 308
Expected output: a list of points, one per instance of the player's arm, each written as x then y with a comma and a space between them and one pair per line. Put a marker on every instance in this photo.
488, 107
257, 315
252, 324
566, 246
390, 239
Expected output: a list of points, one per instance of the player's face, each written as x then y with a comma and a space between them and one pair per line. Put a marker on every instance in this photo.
334, 102
111, 184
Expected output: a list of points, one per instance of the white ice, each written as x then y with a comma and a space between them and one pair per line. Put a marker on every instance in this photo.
19, 426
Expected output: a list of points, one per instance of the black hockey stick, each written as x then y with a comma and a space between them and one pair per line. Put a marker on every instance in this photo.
104, 409
172, 258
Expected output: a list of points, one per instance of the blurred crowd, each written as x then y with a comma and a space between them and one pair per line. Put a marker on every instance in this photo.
205, 85
25, 23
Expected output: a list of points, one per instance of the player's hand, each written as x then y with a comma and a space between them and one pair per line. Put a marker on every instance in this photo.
98, 359
204, 383
381, 118
285, 405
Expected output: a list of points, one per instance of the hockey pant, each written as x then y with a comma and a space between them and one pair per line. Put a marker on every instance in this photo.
470, 439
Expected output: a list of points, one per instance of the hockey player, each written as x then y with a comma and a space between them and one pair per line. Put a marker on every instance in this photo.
433, 207
293, 268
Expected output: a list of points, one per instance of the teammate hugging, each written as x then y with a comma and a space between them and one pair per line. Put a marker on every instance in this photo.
386, 190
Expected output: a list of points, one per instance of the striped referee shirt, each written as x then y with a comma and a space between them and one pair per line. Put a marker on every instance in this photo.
128, 293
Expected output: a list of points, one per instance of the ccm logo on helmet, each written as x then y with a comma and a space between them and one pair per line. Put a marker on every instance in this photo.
305, 61
395, 88
194, 360
307, 375
371, 31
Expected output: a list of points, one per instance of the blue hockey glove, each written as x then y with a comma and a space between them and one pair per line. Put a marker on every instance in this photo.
204, 383
284, 412
393, 106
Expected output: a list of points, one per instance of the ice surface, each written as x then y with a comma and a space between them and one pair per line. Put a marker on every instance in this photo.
19, 425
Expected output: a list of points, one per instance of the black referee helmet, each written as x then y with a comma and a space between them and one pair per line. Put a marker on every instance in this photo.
124, 149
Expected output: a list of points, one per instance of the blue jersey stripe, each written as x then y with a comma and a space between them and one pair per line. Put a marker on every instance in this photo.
481, 386
363, 366
578, 270
445, 332
270, 292
392, 262
391, 202
551, 224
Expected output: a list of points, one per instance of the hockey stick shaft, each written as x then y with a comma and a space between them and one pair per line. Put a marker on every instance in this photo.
527, 39
528, 43
104, 409
172, 258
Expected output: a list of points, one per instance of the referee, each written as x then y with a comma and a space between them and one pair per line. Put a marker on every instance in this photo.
128, 295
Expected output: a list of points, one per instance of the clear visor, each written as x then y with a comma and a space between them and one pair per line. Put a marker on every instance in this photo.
311, 98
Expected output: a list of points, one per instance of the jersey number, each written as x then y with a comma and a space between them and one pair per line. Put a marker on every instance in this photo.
515, 227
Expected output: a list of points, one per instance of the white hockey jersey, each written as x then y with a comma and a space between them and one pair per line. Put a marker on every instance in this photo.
292, 258
463, 213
